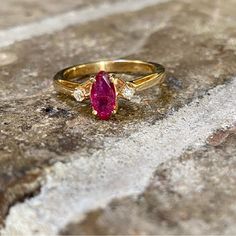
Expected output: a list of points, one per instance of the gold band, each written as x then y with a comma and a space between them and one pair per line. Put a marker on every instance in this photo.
104, 88
148, 74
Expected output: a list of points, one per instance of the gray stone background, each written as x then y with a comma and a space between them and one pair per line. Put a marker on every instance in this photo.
165, 164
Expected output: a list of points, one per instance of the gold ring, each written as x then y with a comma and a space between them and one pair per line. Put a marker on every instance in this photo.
100, 81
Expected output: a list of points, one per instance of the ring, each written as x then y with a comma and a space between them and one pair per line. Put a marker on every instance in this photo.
100, 81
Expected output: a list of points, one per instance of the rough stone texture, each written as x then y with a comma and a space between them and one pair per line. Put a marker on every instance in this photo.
195, 40
194, 194
122, 167
25, 11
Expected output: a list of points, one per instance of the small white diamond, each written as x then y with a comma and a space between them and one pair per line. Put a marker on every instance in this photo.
128, 92
78, 94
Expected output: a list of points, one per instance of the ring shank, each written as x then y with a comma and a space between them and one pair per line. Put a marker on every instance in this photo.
148, 73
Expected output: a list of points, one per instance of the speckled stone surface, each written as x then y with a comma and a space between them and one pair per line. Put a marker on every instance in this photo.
14, 13
194, 194
196, 42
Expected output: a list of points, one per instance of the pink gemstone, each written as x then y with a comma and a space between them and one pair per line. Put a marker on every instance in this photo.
103, 96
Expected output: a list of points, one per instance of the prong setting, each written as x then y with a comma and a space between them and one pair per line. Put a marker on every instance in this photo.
94, 112
92, 78
115, 109
112, 78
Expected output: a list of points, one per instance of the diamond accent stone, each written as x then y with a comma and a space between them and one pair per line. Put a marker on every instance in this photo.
128, 92
78, 94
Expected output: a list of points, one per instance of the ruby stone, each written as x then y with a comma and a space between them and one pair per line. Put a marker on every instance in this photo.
103, 95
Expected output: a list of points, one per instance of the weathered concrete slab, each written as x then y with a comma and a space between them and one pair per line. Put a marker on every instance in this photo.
122, 167
15, 13
193, 39
93, 11
194, 194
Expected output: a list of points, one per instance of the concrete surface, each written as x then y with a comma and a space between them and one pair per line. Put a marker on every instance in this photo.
165, 164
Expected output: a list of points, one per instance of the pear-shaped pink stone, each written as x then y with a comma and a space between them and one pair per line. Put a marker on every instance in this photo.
103, 95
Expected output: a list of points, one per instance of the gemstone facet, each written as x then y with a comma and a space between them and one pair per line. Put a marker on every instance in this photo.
103, 96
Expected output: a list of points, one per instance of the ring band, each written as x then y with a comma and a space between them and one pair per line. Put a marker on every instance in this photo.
103, 84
